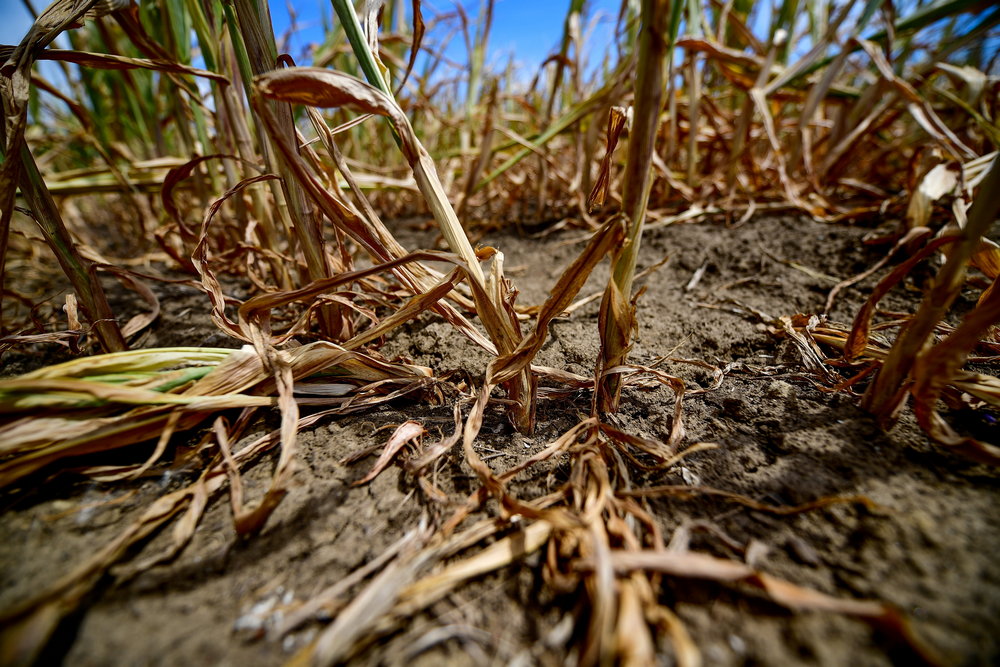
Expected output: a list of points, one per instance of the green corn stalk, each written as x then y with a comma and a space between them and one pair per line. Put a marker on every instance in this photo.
425, 174
256, 52
675, 24
617, 315
694, 90
505, 335
356, 37
477, 64
572, 14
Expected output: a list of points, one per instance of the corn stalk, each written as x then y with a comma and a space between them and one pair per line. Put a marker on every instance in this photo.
887, 393
491, 299
617, 317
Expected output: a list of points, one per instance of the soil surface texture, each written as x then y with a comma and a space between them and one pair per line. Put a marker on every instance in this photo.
926, 543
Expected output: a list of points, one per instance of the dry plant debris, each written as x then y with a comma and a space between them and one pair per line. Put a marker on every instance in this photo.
265, 186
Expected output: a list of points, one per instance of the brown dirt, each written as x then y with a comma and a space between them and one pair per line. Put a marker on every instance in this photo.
929, 547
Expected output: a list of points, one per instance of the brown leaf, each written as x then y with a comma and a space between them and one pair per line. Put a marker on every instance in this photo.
617, 320
501, 553
861, 327
937, 366
416, 39
171, 181
789, 595
561, 296
319, 87
408, 431
986, 258
109, 61
616, 123
201, 257
913, 238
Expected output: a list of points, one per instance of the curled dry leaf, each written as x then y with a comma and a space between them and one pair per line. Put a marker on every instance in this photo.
114, 62
938, 182
914, 237
561, 296
798, 598
863, 320
406, 432
616, 124
936, 366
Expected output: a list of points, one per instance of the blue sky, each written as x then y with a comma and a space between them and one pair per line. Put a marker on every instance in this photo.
529, 29
14, 21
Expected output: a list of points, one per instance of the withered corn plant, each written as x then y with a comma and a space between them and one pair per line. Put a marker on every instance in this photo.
922, 362
266, 186
617, 312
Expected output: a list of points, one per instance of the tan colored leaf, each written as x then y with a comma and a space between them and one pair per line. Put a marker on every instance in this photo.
937, 366
616, 124
938, 182
787, 594
561, 296
115, 62
406, 432
501, 553
986, 258
319, 87
858, 338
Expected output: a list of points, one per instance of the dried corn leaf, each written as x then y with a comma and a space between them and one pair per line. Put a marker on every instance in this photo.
114, 62
935, 367
938, 182
359, 621
501, 553
617, 319
408, 431
561, 296
918, 107
616, 124
787, 594
986, 258
861, 327
914, 237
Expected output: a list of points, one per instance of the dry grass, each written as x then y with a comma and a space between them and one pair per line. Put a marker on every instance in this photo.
853, 113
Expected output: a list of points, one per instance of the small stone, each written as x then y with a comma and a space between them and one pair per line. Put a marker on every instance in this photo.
689, 477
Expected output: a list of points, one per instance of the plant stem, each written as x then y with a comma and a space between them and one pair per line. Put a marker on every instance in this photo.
80, 271
617, 315
887, 392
